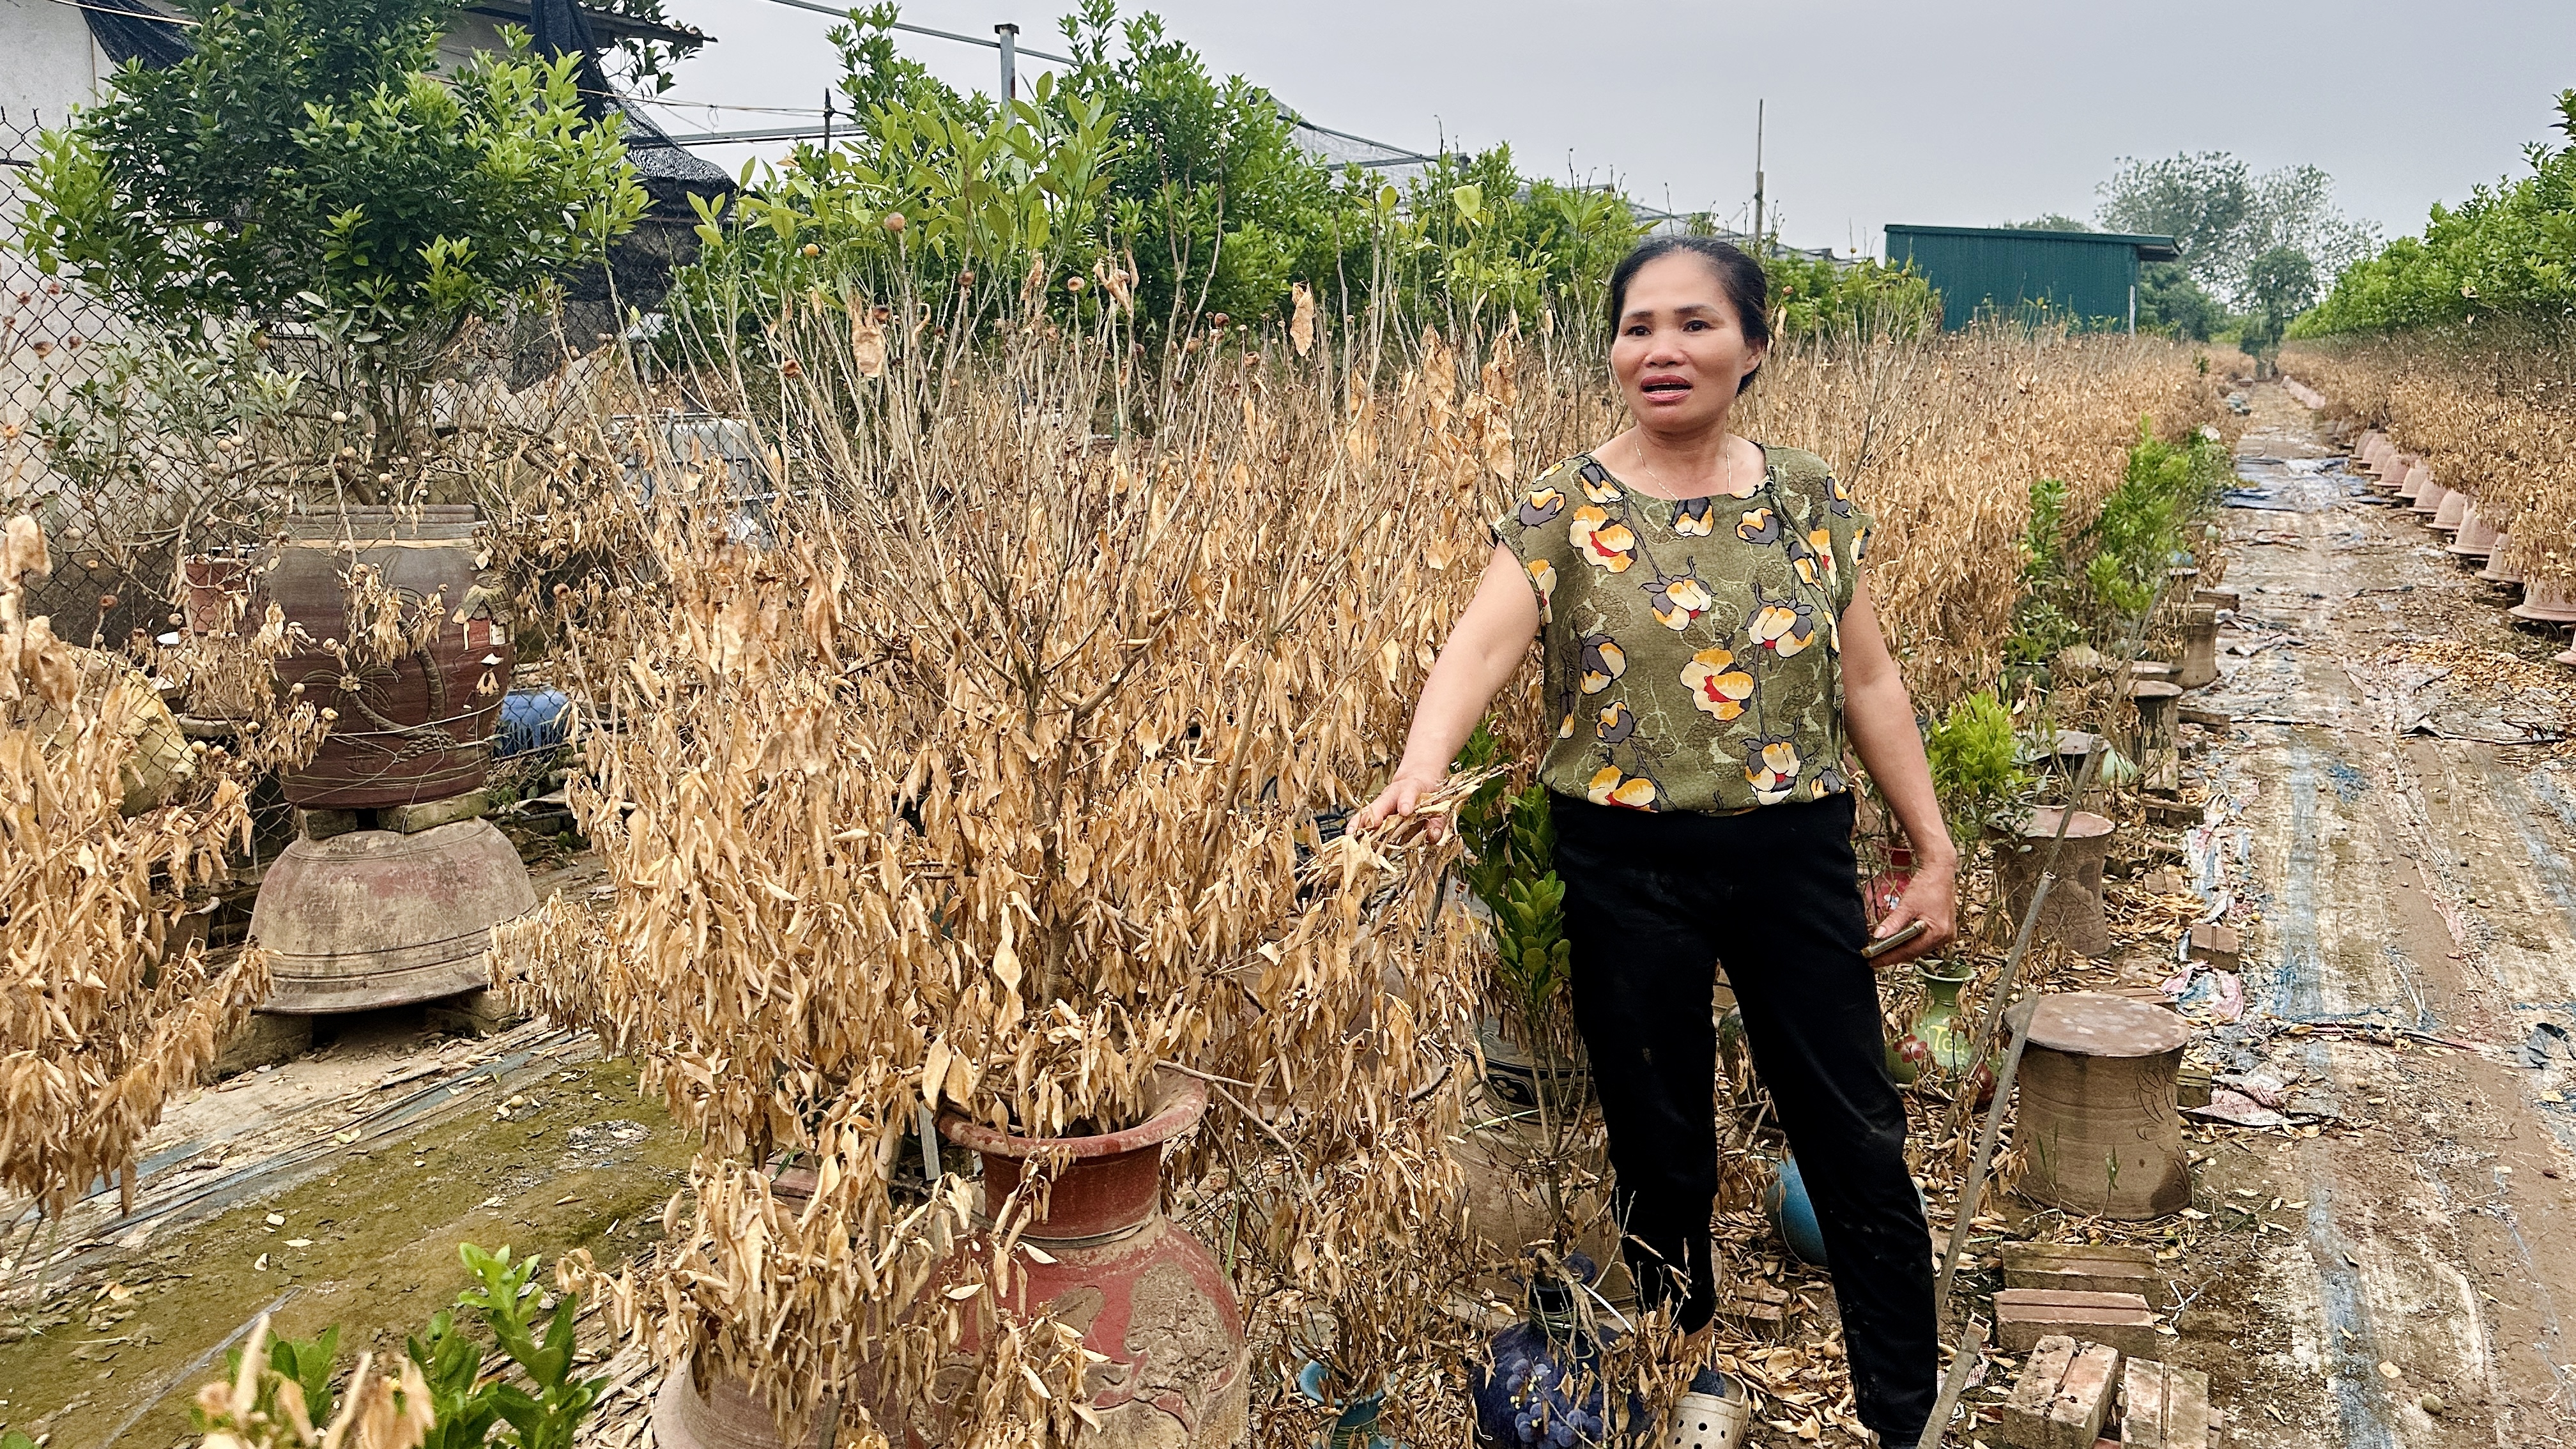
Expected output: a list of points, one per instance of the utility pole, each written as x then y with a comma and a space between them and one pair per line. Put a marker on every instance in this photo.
1010, 35
827, 118
1759, 248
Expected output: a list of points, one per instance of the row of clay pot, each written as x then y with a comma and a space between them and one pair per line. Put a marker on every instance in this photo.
2474, 540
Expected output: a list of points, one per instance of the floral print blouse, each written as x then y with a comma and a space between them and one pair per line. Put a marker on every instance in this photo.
1692, 647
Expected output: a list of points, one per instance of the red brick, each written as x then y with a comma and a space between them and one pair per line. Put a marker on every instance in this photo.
2217, 945
2083, 1268
2064, 1394
2023, 1316
2164, 1406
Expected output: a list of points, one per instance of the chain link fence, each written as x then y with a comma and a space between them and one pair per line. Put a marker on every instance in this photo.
115, 528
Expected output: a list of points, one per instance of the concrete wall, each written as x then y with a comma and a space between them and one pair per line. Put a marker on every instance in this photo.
48, 63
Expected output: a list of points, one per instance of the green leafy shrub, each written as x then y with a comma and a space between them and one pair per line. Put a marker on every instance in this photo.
1975, 771
536, 1403
1511, 846
2143, 525
1137, 155
360, 193
1811, 297
2509, 250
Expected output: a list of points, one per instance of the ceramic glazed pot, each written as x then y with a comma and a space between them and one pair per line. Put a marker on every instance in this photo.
1792, 1212
1355, 1423
1887, 887
374, 918
2099, 1129
1514, 1076
1939, 1045
413, 728
1536, 1385
1143, 1293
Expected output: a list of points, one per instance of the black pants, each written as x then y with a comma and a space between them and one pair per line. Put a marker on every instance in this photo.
1653, 903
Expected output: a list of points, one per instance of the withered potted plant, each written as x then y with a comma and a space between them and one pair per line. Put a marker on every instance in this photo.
992, 792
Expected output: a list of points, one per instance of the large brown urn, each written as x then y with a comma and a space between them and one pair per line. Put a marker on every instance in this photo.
412, 728
375, 918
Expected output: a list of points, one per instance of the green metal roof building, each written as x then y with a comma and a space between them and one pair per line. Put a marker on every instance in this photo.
2087, 279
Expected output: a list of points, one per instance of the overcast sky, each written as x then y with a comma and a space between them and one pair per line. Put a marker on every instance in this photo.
1966, 114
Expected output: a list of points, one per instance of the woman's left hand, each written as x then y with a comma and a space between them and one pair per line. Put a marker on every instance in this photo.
1933, 899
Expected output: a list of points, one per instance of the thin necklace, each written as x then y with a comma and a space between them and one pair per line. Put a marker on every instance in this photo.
1725, 471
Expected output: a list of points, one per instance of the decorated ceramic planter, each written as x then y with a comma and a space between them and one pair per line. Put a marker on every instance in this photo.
1149, 1298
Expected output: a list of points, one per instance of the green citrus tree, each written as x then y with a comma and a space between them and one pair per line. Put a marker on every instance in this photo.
305, 170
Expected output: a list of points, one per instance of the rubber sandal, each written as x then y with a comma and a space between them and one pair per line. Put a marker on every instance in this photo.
1714, 1413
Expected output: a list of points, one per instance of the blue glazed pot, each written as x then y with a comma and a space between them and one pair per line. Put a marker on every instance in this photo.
1356, 1426
1792, 1215
531, 720
1539, 1389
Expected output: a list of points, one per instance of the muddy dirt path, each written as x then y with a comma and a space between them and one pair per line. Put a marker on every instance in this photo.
2404, 870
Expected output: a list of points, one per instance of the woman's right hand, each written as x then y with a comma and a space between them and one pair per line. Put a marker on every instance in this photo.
1396, 803
1481, 653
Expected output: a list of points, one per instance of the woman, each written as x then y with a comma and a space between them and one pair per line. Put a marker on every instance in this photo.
1710, 650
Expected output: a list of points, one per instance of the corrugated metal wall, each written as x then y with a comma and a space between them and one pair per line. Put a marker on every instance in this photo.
2028, 275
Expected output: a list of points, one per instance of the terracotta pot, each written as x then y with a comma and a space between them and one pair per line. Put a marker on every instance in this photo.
725, 1414
2072, 747
414, 728
2227, 599
2373, 450
1506, 1207
2151, 740
2073, 913
2412, 476
213, 582
1145, 1294
2569, 657
2476, 539
2199, 646
2497, 570
2099, 1131
2152, 669
2428, 500
373, 918
2545, 603
2455, 507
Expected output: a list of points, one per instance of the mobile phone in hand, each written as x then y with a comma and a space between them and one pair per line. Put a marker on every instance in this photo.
1885, 944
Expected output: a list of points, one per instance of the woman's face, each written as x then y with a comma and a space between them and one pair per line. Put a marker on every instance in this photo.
1681, 351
